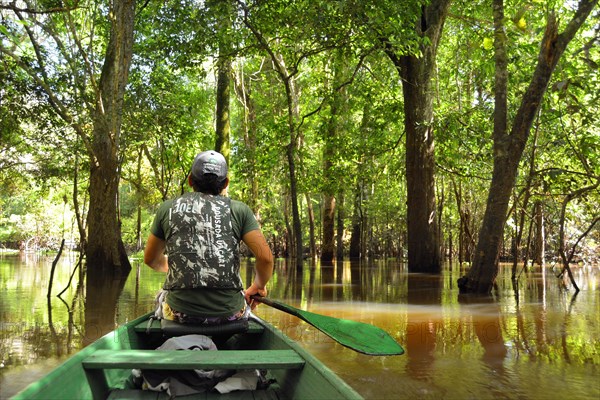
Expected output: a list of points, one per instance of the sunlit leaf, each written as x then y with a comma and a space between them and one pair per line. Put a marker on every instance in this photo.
488, 43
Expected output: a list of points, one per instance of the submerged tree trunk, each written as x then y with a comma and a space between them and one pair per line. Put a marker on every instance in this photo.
416, 73
297, 248
356, 250
539, 254
105, 247
138, 194
339, 237
100, 130
328, 242
509, 147
311, 228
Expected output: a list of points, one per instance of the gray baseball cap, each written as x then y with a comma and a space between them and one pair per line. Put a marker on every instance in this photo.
209, 162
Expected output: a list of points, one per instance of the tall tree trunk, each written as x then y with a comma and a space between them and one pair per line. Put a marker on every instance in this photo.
243, 91
289, 230
223, 125
328, 242
440, 213
416, 73
138, 194
509, 147
357, 225
105, 246
296, 224
311, 228
79, 211
540, 236
339, 252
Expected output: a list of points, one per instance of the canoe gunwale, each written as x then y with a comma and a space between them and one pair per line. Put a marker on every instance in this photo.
305, 382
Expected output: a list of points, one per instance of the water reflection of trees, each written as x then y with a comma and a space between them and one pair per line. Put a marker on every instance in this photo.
368, 281
535, 322
43, 330
542, 331
103, 289
485, 315
92, 309
423, 296
430, 317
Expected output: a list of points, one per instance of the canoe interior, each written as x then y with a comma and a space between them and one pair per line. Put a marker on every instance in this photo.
296, 373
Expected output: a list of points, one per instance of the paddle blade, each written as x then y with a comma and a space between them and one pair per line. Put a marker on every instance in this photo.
358, 336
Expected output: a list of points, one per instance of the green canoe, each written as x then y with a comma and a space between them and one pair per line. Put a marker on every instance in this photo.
103, 369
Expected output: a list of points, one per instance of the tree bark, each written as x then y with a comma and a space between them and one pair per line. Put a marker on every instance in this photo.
138, 194
356, 251
105, 246
339, 251
328, 242
223, 125
509, 147
540, 236
416, 73
311, 228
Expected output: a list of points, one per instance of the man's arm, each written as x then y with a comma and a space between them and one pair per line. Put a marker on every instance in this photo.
154, 254
257, 244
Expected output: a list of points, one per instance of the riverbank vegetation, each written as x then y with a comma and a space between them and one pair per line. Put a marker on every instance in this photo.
419, 131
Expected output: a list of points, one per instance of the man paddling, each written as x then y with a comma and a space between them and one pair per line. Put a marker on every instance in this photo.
200, 232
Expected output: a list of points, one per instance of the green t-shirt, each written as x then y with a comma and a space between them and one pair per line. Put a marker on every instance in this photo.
207, 302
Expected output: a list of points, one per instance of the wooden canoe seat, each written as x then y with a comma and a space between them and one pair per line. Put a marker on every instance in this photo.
193, 359
125, 394
95, 364
171, 328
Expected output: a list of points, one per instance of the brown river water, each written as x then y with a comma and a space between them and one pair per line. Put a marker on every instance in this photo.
535, 341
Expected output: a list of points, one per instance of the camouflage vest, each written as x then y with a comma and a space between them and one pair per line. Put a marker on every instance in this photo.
201, 247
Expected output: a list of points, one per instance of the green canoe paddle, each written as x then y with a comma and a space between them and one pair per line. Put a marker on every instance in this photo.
358, 336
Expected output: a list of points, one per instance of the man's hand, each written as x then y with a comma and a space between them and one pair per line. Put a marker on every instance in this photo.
254, 289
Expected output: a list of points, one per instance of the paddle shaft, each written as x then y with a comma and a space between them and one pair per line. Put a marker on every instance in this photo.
277, 305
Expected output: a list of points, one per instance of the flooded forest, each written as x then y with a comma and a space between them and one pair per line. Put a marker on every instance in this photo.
432, 168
